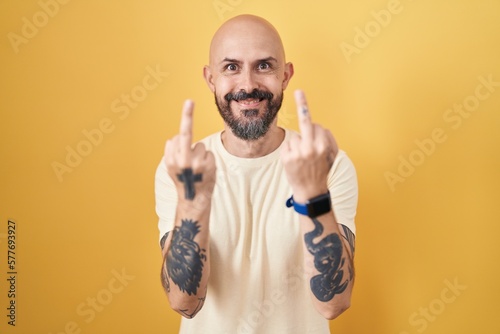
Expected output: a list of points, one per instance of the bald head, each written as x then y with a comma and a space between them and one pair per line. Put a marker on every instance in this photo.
243, 34
248, 74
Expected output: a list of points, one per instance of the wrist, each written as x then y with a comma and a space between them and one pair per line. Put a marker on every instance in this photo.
200, 204
304, 195
314, 207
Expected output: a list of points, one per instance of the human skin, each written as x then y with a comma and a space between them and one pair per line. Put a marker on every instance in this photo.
246, 53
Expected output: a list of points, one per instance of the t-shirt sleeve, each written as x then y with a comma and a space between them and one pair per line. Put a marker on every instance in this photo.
343, 186
166, 199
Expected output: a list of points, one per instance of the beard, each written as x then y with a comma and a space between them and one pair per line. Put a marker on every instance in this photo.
249, 126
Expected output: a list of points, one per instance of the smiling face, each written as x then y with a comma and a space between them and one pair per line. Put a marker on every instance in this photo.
247, 74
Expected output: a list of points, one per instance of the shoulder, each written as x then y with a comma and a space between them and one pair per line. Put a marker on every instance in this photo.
342, 178
343, 166
343, 185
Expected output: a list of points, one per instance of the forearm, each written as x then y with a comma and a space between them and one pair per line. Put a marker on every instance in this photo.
328, 255
186, 258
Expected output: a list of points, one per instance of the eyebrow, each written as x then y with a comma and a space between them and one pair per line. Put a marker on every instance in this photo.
231, 60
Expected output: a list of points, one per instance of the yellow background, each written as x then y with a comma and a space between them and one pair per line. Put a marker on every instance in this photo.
75, 234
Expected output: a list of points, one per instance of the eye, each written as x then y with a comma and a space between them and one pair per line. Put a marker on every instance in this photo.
231, 67
263, 66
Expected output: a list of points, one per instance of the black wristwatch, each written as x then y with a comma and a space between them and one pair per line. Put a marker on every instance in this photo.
313, 208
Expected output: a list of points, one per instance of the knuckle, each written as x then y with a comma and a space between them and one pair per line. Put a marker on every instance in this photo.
169, 145
321, 147
199, 148
307, 153
210, 158
183, 161
197, 165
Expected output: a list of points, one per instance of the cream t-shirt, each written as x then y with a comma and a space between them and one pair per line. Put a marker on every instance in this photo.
257, 282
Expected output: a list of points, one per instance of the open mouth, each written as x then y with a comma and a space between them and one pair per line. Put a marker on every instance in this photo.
249, 103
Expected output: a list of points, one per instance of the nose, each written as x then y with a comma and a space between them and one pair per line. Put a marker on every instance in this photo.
248, 81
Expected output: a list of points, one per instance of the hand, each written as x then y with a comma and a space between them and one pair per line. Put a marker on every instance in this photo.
191, 168
307, 158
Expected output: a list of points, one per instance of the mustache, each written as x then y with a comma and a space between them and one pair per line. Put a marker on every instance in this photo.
243, 95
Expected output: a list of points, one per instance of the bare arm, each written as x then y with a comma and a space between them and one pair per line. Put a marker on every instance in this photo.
328, 246
186, 257
329, 255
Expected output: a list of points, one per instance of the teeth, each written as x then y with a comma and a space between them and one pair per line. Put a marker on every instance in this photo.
249, 101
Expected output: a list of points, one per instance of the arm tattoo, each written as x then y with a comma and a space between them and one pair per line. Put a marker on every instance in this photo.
163, 275
328, 260
184, 261
163, 239
350, 237
165, 282
188, 178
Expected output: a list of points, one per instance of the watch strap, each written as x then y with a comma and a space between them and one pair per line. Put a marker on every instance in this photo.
315, 207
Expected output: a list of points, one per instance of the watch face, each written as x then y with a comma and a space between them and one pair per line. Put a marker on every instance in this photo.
319, 205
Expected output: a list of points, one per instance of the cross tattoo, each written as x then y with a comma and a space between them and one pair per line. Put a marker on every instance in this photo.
188, 178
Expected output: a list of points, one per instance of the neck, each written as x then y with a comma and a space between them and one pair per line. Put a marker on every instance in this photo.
255, 148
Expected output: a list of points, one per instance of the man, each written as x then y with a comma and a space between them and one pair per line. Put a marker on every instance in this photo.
241, 255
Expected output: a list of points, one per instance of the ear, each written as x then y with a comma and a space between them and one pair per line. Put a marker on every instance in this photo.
287, 75
209, 78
